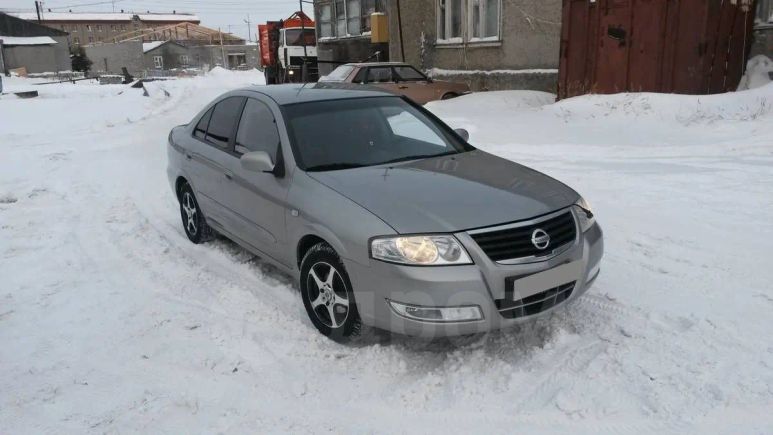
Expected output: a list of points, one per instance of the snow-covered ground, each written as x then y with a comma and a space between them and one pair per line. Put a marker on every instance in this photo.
112, 322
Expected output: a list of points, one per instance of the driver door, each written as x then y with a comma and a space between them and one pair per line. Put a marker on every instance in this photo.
258, 199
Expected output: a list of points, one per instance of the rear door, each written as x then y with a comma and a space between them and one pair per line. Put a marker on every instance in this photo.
209, 155
257, 200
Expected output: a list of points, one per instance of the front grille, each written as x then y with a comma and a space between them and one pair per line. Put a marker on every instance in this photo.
515, 242
536, 303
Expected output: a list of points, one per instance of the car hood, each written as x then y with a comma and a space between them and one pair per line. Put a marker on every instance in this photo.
451, 193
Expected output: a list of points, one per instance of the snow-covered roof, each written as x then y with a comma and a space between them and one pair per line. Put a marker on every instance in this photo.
105, 16
147, 46
27, 40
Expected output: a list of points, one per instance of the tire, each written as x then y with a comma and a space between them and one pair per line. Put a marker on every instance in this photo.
448, 96
194, 223
327, 294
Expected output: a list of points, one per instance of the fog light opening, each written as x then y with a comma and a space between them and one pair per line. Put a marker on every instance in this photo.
468, 313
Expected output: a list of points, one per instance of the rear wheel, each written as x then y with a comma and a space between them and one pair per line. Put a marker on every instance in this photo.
194, 223
327, 294
448, 96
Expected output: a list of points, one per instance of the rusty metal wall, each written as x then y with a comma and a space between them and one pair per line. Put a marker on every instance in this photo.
681, 46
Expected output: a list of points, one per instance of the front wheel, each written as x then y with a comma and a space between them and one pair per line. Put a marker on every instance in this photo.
327, 294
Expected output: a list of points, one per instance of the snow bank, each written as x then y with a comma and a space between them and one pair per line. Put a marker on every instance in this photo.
643, 118
759, 72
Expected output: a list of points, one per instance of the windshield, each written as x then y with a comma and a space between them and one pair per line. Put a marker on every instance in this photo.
341, 134
338, 75
294, 37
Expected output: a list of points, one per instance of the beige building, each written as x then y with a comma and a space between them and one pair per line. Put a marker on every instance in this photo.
91, 28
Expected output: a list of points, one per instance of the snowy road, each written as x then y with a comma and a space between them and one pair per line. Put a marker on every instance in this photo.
112, 322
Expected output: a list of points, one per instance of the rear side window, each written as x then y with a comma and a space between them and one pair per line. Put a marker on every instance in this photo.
257, 129
223, 121
379, 75
201, 128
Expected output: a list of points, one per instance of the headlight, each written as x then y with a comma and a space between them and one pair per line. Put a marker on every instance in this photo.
430, 250
585, 214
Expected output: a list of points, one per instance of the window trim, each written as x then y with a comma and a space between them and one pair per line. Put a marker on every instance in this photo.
466, 38
230, 148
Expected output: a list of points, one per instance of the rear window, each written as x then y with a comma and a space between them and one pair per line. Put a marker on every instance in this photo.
201, 128
408, 73
339, 74
224, 116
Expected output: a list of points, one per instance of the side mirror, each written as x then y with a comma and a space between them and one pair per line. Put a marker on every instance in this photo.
257, 161
463, 133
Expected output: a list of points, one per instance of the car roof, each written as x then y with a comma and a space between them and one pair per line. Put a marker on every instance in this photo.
302, 93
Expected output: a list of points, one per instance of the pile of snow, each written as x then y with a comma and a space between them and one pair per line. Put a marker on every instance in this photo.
759, 72
111, 321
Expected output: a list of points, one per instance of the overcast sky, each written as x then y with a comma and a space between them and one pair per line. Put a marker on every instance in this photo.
213, 13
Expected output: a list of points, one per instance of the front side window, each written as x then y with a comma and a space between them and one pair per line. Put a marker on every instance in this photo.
223, 121
341, 134
257, 130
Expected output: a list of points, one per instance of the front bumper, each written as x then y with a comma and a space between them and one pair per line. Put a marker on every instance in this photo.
482, 284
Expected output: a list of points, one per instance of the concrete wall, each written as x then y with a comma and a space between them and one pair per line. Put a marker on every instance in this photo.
211, 55
109, 58
763, 41
530, 39
170, 52
39, 58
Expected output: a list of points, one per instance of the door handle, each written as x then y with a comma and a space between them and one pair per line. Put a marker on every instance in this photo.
188, 156
402, 87
229, 176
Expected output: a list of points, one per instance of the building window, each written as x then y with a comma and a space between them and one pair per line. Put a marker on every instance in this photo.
341, 18
183, 59
468, 20
88, 27
158, 62
91, 39
112, 27
76, 40
99, 27
74, 28
325, 20
484, 20
449, 21
63, 27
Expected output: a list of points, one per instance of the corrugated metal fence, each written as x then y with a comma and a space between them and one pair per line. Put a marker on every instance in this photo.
681, 46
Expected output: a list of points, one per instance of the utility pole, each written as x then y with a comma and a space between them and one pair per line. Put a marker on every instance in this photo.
37, 10
305, 66
248, 22
222, 49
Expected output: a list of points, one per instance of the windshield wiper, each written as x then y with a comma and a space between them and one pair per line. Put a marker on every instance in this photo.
333, 167
422, 156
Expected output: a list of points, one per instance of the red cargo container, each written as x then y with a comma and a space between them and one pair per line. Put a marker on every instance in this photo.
681, 46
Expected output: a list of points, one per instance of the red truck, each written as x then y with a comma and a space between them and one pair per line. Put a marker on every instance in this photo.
288, 50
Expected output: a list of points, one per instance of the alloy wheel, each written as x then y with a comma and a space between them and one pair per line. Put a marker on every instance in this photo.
190, 213
327, 294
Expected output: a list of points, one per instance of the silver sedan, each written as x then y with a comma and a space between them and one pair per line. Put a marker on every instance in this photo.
385, 215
